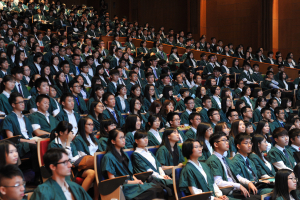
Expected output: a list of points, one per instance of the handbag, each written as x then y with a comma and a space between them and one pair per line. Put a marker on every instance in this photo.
84, 162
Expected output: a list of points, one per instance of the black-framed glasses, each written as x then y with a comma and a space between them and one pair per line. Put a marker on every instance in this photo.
223, 141
66, 162
17, 185
21, 102
294, 179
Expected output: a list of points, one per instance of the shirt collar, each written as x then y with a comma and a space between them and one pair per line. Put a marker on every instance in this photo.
279, 147
140, 150
17, 115
47, 114
188, 111
218, 154
245, 158
6, 94
195, 130
295, 147
69, 113
109, 109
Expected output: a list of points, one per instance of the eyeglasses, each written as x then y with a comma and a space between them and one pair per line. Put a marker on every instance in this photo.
21, 102
294, 179
223, 141
17, 185
66, 162
176, 119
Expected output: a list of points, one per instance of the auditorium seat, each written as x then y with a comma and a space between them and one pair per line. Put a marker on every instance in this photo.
176, 171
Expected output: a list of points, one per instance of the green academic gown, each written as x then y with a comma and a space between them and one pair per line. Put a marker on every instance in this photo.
32, 104
129, 140
191, 134
204, 116
82, 146
11, 123
112, 165
261, 167
191, 177
120, 118
165, 158
180, 105
63, 116
50, 190
215, 104
81, 103
275, 155
152, 140
53, 144
4, 104
232, 146
103, 143
141, 164
25, 91
38, 118
184, 117
198, 102
257, 115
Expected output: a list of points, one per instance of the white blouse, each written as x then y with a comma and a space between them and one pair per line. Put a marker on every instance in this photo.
93, 147
156, 135
122, 100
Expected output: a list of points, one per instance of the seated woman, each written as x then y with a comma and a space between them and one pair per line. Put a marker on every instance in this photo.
204, 131
61, 85
61, 137
8, 153
95, 113
200, 93
7, 85
261, 102
154, 134
149, 96
286, 103
238, 126
196, 177
136, 108
86, 143
285, 185
167, 107
143, 160
106, 126
132, 124
96, 94
263, 128
122, 104
168, 94
264, 168
169, 153
116, 163
143, 48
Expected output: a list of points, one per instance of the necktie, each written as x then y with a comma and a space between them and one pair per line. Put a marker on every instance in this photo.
252, 172
229, 170
20, 90
115, 116
62, 58
77, 70
67, 79
288, 157
162, 55
154, 72
281, 124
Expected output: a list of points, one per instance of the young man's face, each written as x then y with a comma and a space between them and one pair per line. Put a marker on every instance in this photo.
282, 140
190, 105
222, 144
175, 121
280, 116
266, 115
66, 68
248, 113
134, 77
76, 60
19, 105
76, 88
63, 168
44, 88
245, 146
296, 140
215, 117
18, 76
16, 193
150, 79
207, 104
115, 77
234, 116
110, 102
179, 78
68, 103
43, 106
166, 80
4, 65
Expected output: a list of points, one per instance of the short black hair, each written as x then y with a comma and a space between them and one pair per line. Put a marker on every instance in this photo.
38, 82
192, 116
294, 133
72, 82
277, 110
64, 97
244, 109
186, 100
9, 172
240, 138
82, 64
52, 156
13, 97
215, 138
211, 111
114, 72
170, 116
17, 70
187, 147
280, 131
205, 98
40, 97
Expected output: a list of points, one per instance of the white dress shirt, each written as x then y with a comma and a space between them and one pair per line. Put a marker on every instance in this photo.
22, 125
156, 135
38, 126
122, 100
280, 164
68, 150
72, 120
87, 78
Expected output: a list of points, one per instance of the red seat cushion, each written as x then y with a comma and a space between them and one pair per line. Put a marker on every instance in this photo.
44, 147
42, 49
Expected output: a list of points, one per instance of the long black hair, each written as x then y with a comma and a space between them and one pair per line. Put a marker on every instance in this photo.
257, 139
139, 135
130, 123
92, 111
146, 93
260, 125
6, 79
81, 131
104, 126
49, 76
260, 99
4, 151
151, 120
281, 188
62, 126
64, 87
95, 88
166, 90
201, 131
165, 140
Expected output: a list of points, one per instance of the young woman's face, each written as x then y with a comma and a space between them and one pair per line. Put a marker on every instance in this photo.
99, 108
89, 126
80, 80
138, 123
266, 128
208, 132
55, 61
123, 91
260, 93
170, 107
47, 70
228, 102
292, 182
236, 63
151, 91
242, 105
62, 78
197, 150
289, 103
191, 55
274, 104
99, 93
218, 90
263, 145
14, 51
157, 109
137, 92
137, 105
171, 93
248, 92
226, 129
203, 91
241, 84
119, 142
241, 128
156, 124
12, 155
263, 103
174, 137
22, 56
52, 92
284, 75
142, 142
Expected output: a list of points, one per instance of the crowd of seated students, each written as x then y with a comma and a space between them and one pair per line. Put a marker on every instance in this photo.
66, 86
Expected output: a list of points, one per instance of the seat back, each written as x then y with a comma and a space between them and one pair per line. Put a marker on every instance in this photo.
109, 44
153, 149
176, 171
267, 196
42, 147
97, 166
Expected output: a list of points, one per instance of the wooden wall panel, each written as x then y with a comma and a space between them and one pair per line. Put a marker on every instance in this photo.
234, 21
167, 13
289, 27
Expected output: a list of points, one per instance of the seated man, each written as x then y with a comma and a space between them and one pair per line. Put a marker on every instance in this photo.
206, 101
279, 121
12, 184
113, 84
165, 79
178, 84
269, 82
244, 167
231, 116
174, 122
246, 76
67, 113
189, 106
59, 185
194, 121
294, 145
214, 117
79, 103
42, 122
17, 72
278, 155
223, 170
257, 77
42, 87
